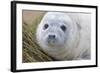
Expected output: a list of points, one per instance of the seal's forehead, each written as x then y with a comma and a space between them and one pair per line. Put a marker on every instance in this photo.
56, 17
53, 15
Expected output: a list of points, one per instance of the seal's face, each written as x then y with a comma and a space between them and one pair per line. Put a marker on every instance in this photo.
54, 33
54, 30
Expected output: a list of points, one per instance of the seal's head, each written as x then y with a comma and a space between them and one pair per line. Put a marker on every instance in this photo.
55, 31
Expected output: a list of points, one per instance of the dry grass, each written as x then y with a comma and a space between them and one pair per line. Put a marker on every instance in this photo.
31, 51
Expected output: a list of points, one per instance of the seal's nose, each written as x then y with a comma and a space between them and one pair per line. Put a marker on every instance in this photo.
52, 36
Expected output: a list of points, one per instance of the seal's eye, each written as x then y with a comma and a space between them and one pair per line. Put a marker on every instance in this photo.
46, 26
63, 28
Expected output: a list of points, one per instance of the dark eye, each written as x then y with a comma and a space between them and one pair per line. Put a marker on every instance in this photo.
46, 26
63, 28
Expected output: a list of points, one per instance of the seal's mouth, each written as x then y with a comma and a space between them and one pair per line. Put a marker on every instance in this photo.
52, 41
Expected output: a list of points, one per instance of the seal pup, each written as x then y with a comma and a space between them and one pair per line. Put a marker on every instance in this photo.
65, 36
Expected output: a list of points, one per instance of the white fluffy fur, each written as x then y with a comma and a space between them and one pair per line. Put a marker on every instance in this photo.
72, 44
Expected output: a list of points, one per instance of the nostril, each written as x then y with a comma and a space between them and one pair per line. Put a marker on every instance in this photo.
51, 36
